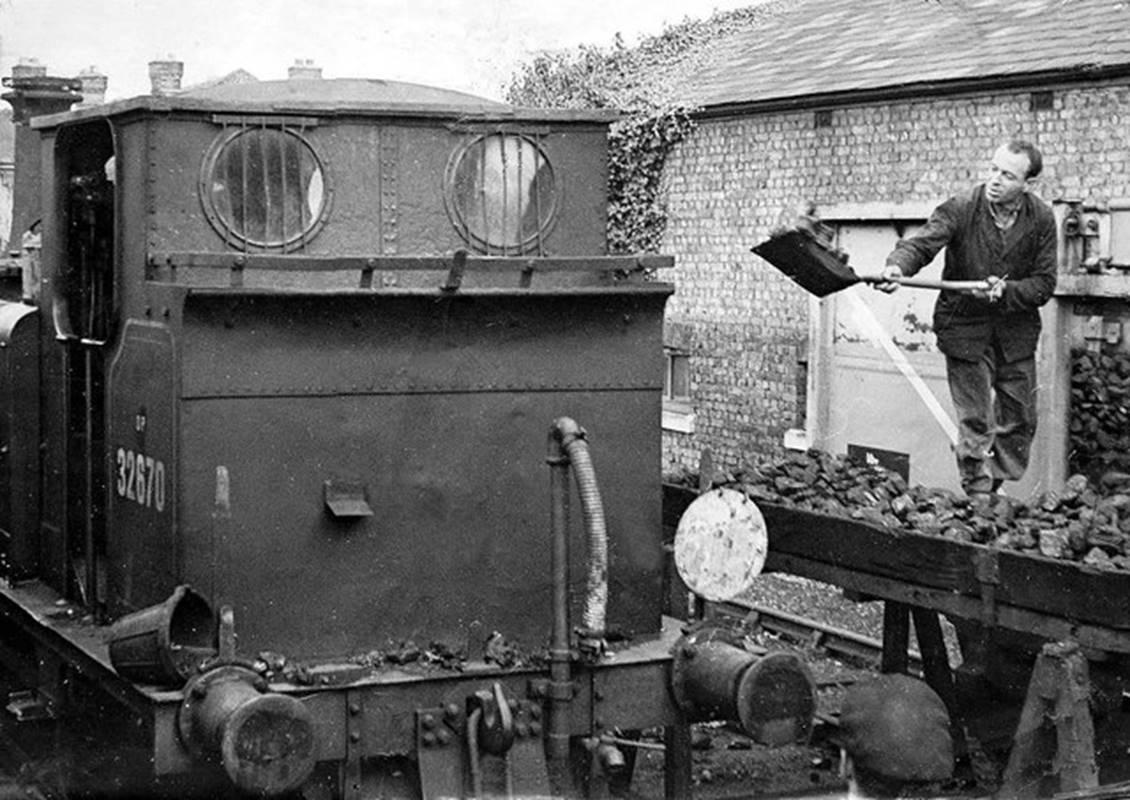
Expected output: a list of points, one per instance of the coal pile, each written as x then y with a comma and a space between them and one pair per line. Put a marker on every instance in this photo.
1099, 432
1084, 521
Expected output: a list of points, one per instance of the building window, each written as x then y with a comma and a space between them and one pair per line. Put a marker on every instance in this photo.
678, 412
263, 187
501, 194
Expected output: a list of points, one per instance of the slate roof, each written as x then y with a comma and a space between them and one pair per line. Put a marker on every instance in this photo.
821, 47
233, 78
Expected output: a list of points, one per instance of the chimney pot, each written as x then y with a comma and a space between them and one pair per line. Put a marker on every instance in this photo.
304, 69
93, 87
165, 75
29, 68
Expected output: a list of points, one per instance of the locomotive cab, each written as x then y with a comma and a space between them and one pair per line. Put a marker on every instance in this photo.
300, 347
301, 273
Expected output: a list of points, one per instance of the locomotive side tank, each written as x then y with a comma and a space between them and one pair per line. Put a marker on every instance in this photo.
315, 361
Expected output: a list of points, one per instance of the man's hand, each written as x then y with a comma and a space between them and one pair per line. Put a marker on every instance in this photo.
993, 291
890, 276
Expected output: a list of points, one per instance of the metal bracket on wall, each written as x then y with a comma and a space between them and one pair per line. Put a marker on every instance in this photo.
443, 751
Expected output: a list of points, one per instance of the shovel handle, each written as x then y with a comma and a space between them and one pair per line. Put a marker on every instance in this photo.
931, 283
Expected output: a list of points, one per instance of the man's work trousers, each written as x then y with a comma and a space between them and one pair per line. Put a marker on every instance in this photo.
996, 409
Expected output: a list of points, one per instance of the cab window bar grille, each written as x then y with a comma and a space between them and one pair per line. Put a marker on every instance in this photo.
501, 193
263, 185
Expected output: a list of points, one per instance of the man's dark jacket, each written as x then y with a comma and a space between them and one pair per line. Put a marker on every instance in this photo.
1025, 256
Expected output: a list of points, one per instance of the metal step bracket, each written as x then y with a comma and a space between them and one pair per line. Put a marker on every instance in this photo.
26, 705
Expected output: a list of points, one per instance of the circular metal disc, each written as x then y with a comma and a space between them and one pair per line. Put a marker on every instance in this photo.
720, 544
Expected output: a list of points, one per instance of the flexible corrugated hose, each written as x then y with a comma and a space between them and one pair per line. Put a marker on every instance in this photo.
596, 595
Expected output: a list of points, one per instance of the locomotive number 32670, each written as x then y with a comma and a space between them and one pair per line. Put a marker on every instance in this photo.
141, 478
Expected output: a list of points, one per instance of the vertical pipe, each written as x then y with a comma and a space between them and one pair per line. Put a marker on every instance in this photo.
91, 567
560, 677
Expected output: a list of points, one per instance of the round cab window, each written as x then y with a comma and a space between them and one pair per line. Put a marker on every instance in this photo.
264, 187
501, 194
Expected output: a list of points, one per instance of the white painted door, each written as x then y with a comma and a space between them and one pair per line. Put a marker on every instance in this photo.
880, 381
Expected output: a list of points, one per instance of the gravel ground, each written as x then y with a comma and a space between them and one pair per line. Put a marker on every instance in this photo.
817, 601
827, 604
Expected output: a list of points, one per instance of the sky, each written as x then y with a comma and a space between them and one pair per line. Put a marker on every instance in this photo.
456, 44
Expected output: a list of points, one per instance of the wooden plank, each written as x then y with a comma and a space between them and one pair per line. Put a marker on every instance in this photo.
896, 637
888, 553
1044, 625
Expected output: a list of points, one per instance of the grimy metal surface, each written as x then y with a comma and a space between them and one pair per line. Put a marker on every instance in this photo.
385, 182
439, 407
19, 435
141, 547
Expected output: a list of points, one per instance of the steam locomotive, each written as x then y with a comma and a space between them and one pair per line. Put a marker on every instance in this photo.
292, 416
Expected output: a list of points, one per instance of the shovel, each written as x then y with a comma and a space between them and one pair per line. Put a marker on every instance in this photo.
805, 258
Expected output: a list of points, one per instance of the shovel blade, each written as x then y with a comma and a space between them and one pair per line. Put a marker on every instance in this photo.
802, 257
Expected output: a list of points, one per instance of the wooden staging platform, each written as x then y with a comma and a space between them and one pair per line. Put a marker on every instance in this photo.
1078, 610
1052, 599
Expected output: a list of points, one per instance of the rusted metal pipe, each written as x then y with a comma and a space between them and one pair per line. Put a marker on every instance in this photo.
560, 665
567, 447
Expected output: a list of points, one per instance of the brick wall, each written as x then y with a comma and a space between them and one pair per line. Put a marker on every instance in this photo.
734, 180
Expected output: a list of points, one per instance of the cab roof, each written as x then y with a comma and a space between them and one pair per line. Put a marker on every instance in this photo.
330, 97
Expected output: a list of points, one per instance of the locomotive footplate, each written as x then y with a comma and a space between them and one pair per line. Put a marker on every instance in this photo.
363, 714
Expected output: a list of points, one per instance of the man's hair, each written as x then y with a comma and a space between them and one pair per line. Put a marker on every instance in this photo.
1035, 159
